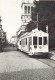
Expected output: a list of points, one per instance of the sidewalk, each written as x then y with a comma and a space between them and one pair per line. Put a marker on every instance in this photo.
53, 55
7, 49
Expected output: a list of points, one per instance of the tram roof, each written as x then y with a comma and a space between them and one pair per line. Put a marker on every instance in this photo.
38, 31
35, 31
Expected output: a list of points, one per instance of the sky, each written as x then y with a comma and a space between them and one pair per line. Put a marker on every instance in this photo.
11, 16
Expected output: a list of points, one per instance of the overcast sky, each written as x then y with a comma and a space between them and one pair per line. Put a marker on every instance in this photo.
11, 16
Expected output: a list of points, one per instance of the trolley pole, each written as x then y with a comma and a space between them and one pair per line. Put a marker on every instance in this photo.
37, 20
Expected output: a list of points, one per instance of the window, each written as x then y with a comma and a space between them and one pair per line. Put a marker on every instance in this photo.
30, 40
26, 41
45, 40
25, 9
31, 9
0, 34
34, 40
21, 17
28, 9
40, 40
20, 42
0, 41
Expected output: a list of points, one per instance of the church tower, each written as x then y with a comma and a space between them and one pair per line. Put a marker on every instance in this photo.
26, 13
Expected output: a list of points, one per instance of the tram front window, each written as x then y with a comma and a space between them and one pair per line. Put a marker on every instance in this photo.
45, 40
40, 40
20, 42
34, 40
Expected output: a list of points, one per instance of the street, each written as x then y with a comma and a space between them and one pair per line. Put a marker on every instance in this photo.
16, 65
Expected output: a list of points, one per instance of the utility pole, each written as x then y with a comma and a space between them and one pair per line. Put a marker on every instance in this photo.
36, 21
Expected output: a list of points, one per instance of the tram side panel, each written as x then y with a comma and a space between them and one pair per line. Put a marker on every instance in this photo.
24, 44
19, 45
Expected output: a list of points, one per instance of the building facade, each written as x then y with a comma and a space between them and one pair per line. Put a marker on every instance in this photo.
27, 8
26, 13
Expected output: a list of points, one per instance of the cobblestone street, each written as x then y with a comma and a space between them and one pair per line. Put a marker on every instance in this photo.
16, 65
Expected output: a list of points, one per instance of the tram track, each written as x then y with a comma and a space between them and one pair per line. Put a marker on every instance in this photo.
49, 62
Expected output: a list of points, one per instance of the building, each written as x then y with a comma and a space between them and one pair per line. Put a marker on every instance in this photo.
27, 8
13, 40
26, 14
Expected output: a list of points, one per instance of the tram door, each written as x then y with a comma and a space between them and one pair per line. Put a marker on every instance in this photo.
40, 43
30, 43
35, 42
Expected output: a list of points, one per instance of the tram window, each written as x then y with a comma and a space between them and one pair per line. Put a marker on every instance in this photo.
45, 40
31, 8
40, 40
20, 42
34, 40
26, 41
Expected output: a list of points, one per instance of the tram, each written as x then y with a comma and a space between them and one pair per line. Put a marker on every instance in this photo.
35, 42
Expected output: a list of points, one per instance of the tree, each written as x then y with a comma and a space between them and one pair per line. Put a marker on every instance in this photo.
46, 12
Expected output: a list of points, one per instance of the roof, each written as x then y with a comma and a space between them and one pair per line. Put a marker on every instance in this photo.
35, 32
26, 3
